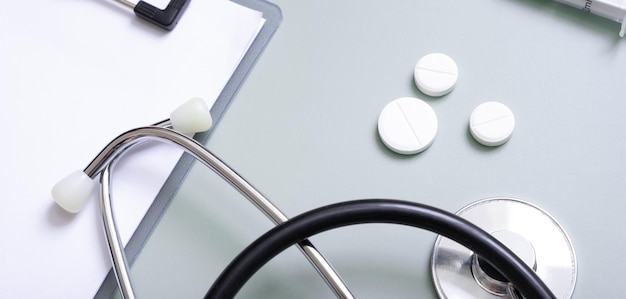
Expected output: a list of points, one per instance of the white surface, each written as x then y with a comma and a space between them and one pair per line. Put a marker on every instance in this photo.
492, 123
407, 125
436, 74
191, 117
73, 75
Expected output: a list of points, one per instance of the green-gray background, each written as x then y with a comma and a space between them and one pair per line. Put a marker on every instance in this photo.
303, 130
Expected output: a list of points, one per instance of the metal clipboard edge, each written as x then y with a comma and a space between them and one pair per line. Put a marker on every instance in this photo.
273, 17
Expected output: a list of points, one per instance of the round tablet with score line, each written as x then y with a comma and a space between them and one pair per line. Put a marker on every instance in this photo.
492, 123
407, 125
436, 74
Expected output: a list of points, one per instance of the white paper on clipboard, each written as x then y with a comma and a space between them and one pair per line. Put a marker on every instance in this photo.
73, 75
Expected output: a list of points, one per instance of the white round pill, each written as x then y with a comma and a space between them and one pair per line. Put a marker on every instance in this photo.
436, 74
407, 125
492, 123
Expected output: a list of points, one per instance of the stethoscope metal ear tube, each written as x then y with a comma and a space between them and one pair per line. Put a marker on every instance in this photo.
71, 192
116, 249
115, 149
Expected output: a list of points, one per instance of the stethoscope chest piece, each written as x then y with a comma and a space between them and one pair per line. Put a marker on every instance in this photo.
527, 230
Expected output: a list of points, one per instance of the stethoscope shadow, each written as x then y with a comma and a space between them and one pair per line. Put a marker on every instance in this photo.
468, 136
364, 277
57, 216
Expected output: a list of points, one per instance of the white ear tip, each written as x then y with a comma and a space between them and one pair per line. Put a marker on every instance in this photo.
72, 192
191, 117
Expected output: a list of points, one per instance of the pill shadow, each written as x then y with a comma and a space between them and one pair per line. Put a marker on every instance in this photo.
411, 82
418, 93
477, 146
386, 151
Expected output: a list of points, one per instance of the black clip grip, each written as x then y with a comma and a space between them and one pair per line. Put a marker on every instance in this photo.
165, 18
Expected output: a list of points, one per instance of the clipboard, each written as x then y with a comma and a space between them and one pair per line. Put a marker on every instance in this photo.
273, 17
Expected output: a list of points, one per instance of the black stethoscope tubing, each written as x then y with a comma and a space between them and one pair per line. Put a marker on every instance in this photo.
252, 258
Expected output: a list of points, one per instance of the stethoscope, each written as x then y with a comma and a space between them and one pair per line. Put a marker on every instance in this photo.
496, 269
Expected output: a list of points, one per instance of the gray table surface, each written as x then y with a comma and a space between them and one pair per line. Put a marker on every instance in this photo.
303, 130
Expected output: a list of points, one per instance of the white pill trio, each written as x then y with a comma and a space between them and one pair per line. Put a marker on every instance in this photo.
409, 125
